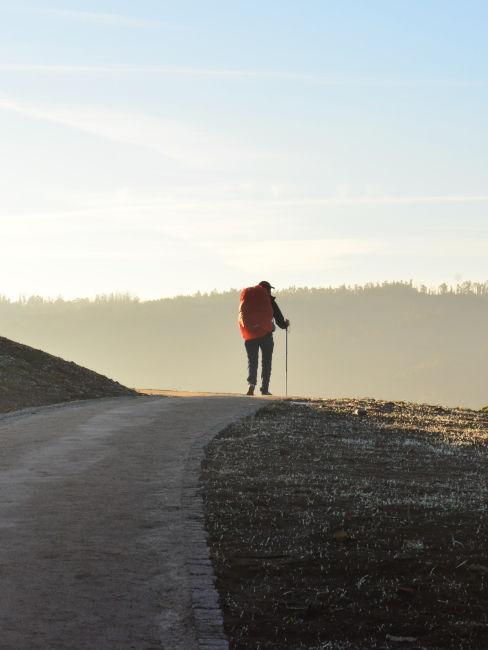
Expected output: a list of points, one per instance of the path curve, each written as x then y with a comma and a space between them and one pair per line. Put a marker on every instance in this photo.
101, 531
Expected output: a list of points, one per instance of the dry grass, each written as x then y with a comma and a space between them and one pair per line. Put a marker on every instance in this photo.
329, 529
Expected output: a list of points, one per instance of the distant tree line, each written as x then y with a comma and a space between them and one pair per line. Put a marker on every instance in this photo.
392, 340
462, 288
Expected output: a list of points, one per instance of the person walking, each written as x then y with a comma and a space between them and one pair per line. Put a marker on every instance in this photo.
258, 316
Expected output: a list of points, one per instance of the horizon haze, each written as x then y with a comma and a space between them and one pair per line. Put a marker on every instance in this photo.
390, 341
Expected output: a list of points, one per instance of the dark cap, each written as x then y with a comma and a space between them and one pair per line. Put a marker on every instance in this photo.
266, 285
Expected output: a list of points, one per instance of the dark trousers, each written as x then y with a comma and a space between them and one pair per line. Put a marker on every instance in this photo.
266, 344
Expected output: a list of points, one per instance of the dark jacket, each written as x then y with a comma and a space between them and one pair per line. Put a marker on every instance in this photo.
277, 315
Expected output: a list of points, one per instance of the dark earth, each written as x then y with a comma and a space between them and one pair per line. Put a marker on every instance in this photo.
30, 377
351, 524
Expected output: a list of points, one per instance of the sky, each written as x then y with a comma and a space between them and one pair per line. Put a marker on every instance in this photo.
163, 148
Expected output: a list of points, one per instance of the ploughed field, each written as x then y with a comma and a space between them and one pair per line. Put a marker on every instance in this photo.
333, 529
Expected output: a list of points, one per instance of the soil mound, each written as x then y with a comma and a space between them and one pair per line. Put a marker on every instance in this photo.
30, 377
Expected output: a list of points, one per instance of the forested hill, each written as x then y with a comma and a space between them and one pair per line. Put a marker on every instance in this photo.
391, 341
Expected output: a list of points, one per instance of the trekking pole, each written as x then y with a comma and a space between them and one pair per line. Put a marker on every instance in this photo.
286, 363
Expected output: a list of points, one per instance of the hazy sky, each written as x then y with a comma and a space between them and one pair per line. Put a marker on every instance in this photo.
169, 147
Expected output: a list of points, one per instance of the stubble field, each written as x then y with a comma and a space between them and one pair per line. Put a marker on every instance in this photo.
333, 528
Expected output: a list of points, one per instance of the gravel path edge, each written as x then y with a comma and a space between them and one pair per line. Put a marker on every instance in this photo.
207, 613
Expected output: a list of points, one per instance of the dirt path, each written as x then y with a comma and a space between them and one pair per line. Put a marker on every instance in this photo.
95, 546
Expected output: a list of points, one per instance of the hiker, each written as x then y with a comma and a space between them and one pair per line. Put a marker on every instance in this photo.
258, 313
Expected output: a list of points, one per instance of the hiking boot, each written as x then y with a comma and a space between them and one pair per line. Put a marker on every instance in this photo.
265, 392
250, 390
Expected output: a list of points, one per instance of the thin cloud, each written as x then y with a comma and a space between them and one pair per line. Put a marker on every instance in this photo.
97, 18
300, 255
430, 248
177, 71
319, 255
183, 144
381, 200
238, 73
179, 143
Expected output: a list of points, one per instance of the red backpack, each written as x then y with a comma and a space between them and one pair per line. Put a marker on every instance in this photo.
255, 313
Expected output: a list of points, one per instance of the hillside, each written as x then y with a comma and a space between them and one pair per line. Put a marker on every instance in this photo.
390, 341
30, 377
